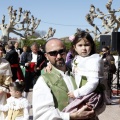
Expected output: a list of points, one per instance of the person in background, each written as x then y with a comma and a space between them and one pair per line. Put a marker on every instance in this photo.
13, 59
70, 55
17, 106
50, 91
24, 53
5, 80
109, 70
33, 61
69, 58
23, 56
17, 49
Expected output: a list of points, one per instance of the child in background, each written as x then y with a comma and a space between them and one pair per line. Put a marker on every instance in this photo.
17, 106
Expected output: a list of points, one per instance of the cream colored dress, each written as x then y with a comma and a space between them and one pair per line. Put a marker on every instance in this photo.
5, 80
17, 108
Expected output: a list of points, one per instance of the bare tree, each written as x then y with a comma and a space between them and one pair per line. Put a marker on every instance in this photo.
20, 21
50, 33
110, 22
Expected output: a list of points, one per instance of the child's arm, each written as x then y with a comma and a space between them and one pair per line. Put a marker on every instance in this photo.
89, 87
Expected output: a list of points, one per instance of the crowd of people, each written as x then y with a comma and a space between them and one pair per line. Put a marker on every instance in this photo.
18, 64
65, 85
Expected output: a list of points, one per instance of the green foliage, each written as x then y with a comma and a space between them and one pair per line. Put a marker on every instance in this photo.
28, 42
67, 44
97, 44
42, 42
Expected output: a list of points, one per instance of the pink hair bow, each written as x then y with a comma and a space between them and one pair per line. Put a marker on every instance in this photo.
71, 38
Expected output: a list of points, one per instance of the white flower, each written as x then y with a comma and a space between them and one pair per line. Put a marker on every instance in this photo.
75, 62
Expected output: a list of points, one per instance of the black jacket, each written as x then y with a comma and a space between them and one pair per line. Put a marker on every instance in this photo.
41, 59
12, 57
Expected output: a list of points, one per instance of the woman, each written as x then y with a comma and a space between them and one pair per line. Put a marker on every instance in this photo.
5, 80
109, 70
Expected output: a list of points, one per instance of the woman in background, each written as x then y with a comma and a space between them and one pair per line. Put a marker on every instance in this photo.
109, 70
5, 80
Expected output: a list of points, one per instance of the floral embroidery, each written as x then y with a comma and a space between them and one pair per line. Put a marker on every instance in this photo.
75, 62
83, 70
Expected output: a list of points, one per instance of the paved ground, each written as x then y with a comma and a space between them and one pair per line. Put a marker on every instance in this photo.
30, 101
112, 112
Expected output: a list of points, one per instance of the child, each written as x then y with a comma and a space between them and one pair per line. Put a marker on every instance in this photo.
17, 106
86, 66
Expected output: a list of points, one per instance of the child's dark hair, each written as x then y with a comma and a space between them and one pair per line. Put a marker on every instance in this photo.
84, 35
18, 85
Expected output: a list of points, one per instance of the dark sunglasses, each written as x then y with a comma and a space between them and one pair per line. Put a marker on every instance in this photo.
103, 50
55, 53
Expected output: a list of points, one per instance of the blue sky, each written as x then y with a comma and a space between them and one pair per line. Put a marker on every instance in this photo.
64, 15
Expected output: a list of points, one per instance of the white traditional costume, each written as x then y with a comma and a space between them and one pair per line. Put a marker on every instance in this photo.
92, 68
17, 108
5, 80
88, 74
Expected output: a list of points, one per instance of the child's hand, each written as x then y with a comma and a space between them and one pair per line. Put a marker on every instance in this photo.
48, 68
71, 95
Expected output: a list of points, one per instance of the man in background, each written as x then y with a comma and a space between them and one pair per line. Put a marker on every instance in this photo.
33, 61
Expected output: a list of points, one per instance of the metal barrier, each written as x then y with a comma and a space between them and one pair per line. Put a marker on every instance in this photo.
115, 83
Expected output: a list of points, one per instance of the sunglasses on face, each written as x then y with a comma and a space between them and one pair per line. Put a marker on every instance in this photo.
103, 50
55, 53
